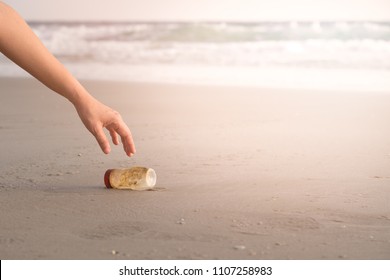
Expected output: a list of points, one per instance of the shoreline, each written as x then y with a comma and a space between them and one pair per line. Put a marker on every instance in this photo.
270, 78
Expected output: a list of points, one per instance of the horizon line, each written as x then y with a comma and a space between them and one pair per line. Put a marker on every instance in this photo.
199, 21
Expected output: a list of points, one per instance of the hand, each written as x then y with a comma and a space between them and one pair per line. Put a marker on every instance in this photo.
19, 43
96, 116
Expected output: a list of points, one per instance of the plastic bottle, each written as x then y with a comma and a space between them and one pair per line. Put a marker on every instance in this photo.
135, 178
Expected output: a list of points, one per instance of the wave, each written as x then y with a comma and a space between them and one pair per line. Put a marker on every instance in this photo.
217, 32
329, 44
262, 46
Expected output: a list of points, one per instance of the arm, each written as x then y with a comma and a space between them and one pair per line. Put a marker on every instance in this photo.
19, 43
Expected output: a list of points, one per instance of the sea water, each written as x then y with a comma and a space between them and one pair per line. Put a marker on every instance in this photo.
324, 55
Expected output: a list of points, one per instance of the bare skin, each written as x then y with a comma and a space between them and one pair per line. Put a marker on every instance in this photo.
19, 43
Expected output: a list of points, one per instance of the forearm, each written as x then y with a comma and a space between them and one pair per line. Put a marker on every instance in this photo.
19, 43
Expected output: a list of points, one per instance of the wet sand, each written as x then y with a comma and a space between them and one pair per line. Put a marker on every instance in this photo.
243, 173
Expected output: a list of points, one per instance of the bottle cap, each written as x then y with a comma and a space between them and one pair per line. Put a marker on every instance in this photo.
107, 178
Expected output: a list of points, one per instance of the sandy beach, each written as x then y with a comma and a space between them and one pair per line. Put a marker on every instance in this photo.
243, 173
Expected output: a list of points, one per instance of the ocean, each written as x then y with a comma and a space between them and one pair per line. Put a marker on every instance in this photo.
325, 55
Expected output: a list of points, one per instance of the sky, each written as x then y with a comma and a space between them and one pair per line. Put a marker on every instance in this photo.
198, 10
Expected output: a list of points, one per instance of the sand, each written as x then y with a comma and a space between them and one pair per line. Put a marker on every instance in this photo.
243, 173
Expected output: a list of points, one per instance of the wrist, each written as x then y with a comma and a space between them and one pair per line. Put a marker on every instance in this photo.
79, 96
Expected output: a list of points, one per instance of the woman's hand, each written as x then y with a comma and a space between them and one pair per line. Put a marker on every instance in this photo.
21, 45
97, 116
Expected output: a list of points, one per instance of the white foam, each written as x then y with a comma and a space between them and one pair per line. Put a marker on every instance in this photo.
290, 55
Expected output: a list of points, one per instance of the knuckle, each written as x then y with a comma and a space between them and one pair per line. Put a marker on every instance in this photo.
116, 114
96, 131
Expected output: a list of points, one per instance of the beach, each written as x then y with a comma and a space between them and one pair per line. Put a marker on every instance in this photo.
242, 173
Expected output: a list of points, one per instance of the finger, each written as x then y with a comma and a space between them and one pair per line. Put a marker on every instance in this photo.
114, 137
127, 139
128, 145
101, 139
